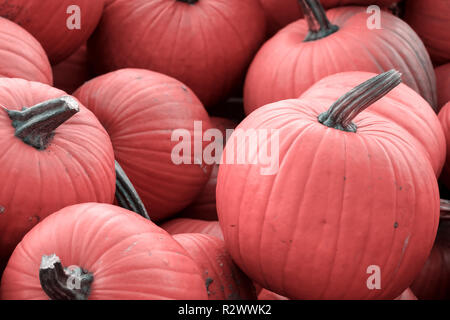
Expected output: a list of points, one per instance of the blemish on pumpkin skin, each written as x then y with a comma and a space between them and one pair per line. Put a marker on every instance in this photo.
34, 219
2, 209
130, 247
208, 282
395, 225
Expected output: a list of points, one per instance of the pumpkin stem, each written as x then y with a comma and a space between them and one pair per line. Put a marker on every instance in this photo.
189, 1
36, 125
318, 23
445, 209
60, 283
126, 195
347, 107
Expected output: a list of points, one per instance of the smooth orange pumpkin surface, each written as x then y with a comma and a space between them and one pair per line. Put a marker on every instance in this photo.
352, 191
206, 44
402, 105
431, 20
186, 225
223, 279
21, 55
55, 154
48, 21
281, 13
140, 109
300, 54
125, 256
443, 84
433, 282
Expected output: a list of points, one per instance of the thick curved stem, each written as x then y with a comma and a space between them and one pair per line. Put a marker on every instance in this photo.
346, 108
61, 283
318, 23
35, 125
445, 209
126, 195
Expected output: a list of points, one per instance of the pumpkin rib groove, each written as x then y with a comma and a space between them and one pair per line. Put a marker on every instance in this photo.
212, 263
338, 230
294, 141
30, 63
423, 61
413, 221
370, 213
392, 171
393, 174
113, 274
366, 49
418, 85
300, 205
244, 266
88, 183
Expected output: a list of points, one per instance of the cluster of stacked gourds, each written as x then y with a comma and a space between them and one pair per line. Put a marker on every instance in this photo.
354, 94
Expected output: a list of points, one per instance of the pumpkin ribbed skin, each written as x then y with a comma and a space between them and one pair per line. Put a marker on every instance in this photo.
77, 166
433, 282
47, 22
444, 118
407, 295
431, 20
204, 206
402, 105
71, 73
286, 66
223, 279
21, 55
265, 294
281, 13
206, 45
443, 84
185, 225
140, 109
130, 257
339, 203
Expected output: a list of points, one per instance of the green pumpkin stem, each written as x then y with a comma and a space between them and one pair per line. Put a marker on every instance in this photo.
36, 125
346, 108
61, 283
126, 195
318, 23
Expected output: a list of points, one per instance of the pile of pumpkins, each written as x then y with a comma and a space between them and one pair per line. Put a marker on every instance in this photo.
353, 94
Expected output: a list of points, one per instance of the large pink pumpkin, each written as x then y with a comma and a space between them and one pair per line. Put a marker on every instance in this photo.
206, 44
301, 54
348, 196
141, 110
